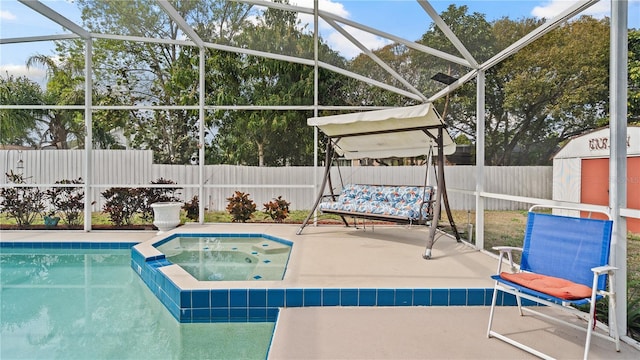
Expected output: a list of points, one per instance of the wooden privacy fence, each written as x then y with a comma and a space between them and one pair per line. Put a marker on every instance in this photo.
135, 168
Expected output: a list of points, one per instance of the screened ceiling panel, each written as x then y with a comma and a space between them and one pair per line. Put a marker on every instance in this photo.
15, 17
433, 45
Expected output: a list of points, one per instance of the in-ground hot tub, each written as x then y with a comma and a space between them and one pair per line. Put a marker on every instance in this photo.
215, 277
228, 257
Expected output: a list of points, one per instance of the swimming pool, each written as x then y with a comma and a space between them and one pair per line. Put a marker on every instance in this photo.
86, 303
211, 257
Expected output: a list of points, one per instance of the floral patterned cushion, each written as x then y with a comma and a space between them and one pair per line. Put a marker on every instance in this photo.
410, 202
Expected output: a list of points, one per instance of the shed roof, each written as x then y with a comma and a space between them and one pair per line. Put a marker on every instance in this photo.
595, 144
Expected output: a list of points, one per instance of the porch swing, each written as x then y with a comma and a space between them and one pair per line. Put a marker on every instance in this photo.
399, 132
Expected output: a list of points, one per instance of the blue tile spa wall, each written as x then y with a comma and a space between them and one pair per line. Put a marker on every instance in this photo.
241, 305
160, 285
260, 305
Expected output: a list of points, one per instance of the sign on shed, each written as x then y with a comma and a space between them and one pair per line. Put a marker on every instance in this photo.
581, 171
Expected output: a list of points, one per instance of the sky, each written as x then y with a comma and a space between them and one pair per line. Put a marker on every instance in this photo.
403, 18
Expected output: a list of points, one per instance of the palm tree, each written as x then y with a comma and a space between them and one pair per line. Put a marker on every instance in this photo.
64, 87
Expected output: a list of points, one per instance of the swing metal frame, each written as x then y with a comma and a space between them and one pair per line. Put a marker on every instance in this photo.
440, 194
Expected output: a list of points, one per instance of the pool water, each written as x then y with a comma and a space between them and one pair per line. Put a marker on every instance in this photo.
89, 304
218, 266
212, 258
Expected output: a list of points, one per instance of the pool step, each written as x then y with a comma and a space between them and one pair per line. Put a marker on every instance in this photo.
270, 247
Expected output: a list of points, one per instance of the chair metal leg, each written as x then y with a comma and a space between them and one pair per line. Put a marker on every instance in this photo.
590, 325
519, 302
493, 306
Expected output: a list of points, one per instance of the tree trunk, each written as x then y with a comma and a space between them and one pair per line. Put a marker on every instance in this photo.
260, 154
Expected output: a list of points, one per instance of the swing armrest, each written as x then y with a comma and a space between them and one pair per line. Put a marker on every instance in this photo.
329, 197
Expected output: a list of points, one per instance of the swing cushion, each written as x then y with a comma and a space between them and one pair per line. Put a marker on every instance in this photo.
408, 203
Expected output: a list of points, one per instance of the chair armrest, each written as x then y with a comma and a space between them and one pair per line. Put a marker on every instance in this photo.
506, 250
602, 269
597, 271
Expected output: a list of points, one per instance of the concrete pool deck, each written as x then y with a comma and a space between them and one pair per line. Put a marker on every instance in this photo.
332, 256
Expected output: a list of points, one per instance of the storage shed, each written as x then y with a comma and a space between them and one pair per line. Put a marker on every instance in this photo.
581, 171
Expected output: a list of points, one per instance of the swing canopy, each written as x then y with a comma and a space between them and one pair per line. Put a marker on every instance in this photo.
398, 132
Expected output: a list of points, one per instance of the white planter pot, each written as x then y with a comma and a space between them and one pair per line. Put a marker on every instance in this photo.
166, 215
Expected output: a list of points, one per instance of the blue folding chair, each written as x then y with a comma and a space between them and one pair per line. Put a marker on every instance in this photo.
565, 262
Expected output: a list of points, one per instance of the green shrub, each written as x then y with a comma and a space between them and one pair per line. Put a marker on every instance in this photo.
277, 209
69, 201
122, 204
154, 195
241, 207
633, 311
192, 209
23, 204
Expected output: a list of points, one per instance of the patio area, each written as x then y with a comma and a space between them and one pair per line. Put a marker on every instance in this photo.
329, 256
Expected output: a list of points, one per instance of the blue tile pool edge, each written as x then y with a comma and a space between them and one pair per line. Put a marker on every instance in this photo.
263, 305
66, 245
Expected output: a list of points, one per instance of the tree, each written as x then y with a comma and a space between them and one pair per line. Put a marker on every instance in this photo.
268, 137
154, 73
16, 126
557, 87
552, 89
358, 93
64, 87
461, 104
472, 30
166, 74
633, 107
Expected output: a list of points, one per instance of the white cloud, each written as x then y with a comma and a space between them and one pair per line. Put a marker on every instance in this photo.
324, 5
335, 40
7, 15
348, 49
36, 74
554, 7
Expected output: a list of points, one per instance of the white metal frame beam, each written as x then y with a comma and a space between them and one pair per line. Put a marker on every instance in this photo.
181, 22
618, 82
448, 33
570, 12
29, 39
376, 59
327, 15
56, 17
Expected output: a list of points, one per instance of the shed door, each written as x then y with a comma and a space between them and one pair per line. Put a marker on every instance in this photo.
594, 187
